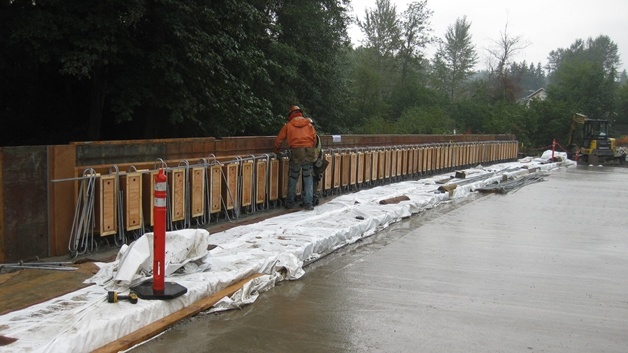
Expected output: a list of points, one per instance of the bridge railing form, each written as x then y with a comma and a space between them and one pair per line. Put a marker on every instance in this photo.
115, 206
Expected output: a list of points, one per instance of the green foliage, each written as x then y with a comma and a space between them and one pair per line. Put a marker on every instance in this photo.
73, 70
424, 120
584, 76
454, 61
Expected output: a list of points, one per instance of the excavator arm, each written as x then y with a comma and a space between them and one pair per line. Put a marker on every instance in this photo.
578, 120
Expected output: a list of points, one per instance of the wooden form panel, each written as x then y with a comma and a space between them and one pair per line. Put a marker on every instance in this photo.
215, 188
368, 159
414, 156
247, 183
261, 169
148, 188
106, 205
345, 167
337, 170
393, 163
131, 183
197, 192
388, 163
284, 174
404, 162
360, 167
353, 163
273, 190
375, 166
381, 168
428, 161
230, 185
328, 178
177, 194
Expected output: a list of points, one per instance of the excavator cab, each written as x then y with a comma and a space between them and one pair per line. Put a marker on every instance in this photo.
595, 138
597, 145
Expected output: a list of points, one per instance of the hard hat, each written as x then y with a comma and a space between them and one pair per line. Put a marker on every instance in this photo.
294, 108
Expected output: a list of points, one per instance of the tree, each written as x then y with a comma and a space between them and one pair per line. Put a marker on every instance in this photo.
454, 61
390, 59
584, 76
415, 36
528, 78
310, 61
505, 48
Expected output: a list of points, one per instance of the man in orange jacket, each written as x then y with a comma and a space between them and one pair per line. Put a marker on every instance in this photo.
301, 137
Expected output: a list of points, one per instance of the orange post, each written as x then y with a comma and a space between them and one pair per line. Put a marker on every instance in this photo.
159, 230
553, 148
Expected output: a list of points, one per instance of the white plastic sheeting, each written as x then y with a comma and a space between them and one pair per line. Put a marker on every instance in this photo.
82, 321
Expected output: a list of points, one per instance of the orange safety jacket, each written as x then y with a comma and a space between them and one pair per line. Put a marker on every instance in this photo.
299, 132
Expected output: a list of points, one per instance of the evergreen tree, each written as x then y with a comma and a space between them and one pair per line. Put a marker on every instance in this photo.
454, 61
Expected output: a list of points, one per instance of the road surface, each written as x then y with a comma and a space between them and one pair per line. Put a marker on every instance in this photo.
542, 269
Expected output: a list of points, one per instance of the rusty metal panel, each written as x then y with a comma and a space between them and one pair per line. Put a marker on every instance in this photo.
106, 213
247, 183
197, 192
131, 183
274, 180
360, 168
327, 180
353, 168
260, 181
230, 185
177, 194
215, 188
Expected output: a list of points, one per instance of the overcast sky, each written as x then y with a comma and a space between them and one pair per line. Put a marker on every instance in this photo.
545, 25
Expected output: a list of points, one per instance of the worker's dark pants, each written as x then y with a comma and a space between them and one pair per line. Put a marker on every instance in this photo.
308, 185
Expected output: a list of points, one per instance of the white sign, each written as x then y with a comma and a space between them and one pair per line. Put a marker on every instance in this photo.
336, 138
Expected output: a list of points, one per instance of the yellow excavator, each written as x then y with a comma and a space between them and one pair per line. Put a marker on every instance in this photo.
597, 147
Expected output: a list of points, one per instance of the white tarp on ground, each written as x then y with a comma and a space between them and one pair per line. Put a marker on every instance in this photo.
83, 320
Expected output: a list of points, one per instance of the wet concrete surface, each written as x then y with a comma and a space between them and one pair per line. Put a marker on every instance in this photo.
543, 269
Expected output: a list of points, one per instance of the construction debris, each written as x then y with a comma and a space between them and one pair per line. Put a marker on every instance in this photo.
394, 200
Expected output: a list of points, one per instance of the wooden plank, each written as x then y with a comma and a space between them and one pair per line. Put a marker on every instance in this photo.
388, 163
353, 170
381, 164
148, 193
230, 185
197, 192
360, 168
247, 183
284, 167
107, 205
177, 194
131, 183
274, 180
151, 330
260, 181
368, 159
215, 188
344, 181
327, 180
337, 164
